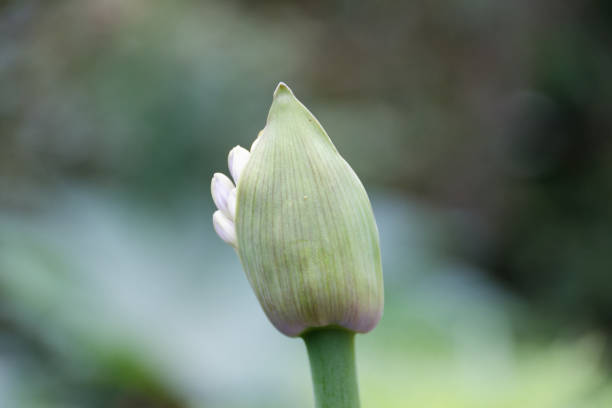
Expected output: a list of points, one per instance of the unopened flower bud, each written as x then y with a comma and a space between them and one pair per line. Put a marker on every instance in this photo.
237, 159
221, 187
304, 226
225, 228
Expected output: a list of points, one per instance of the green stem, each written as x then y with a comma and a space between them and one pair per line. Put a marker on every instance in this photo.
331, 352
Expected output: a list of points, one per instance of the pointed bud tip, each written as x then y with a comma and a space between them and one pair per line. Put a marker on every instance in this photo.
282, 90
282, 100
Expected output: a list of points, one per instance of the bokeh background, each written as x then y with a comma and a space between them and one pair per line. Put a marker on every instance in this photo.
481, 129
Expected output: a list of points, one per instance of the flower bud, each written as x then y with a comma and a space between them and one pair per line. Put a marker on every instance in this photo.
304, 226
225, 228
237, 159
221, 187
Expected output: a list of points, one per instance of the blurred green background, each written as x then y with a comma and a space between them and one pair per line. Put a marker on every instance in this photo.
481, 130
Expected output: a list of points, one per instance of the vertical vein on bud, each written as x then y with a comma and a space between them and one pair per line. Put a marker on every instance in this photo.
294, 194
325, 222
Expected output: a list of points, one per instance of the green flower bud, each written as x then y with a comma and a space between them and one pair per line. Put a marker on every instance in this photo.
304, 227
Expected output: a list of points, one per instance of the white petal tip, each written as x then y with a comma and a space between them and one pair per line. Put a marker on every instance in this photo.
237, 159
225, 228
220, 188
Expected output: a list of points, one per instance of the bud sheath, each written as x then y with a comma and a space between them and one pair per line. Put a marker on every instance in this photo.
305, 229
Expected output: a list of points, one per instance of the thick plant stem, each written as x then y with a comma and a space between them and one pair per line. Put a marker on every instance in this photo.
331, 352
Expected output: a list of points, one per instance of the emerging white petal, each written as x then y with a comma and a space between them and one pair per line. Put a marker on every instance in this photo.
220, 188
231, 204
256, 141
237, 159
225, 228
